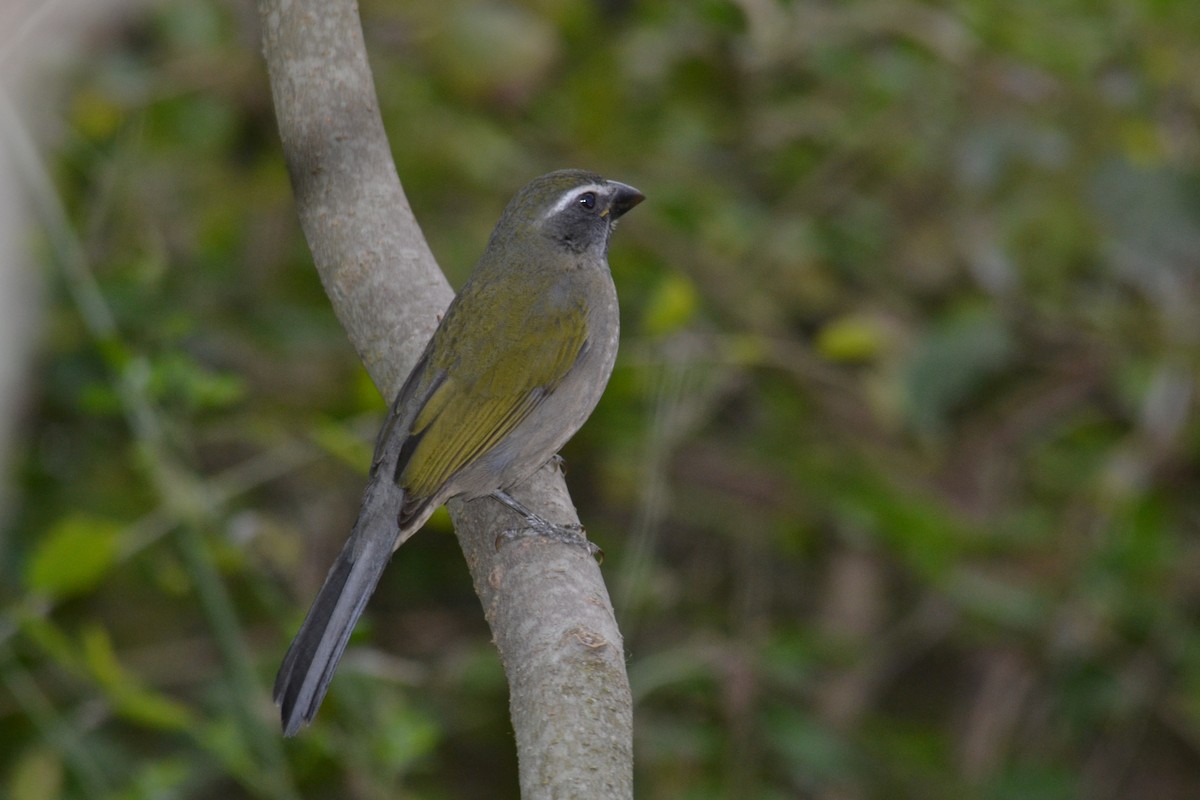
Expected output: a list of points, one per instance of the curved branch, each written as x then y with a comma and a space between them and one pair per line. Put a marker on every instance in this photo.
546, 603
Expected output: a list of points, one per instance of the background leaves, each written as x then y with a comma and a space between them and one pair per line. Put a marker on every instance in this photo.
896, 477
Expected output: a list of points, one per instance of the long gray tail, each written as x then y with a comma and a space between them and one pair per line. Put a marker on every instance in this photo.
308, 666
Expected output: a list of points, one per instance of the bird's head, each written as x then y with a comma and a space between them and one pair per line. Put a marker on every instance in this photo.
573, 209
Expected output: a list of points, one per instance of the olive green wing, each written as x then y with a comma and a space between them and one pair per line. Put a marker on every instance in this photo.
467, 414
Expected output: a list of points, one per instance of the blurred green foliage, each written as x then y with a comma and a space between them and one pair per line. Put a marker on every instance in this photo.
897, 476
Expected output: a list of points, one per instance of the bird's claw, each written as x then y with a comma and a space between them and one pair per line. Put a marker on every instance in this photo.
571, 534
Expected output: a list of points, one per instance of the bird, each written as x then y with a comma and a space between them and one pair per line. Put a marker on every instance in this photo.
514, 368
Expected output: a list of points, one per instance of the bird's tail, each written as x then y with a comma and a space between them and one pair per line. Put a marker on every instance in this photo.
308, 666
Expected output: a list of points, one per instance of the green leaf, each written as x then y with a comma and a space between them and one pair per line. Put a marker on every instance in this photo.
339, 441
53, 642
852, 338
36, 775
672, 305
129, 697
814, 749
403, 737
74, 557
176, 376
223, 739
952, 363
95, 114
159, 777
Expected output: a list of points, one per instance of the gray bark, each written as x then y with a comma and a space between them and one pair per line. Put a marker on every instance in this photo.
546, 603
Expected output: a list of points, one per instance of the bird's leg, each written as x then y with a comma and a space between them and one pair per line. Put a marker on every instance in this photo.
538, 526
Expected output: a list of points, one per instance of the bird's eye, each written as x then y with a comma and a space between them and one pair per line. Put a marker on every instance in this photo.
587, 200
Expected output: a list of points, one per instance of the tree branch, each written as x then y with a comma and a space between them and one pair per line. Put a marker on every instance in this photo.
547, 605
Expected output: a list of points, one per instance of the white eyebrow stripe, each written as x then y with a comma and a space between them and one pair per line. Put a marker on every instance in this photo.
570, 195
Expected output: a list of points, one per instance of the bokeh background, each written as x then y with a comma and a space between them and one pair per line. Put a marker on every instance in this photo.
897, 476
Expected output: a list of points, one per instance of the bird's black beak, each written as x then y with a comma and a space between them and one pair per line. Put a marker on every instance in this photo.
624, 197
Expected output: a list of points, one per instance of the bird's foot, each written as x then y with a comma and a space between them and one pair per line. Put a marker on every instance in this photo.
543, 528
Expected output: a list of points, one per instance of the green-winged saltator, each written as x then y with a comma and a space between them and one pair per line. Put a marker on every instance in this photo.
516, 365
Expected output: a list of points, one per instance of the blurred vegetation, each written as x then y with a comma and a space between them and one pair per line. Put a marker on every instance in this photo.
897, 476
